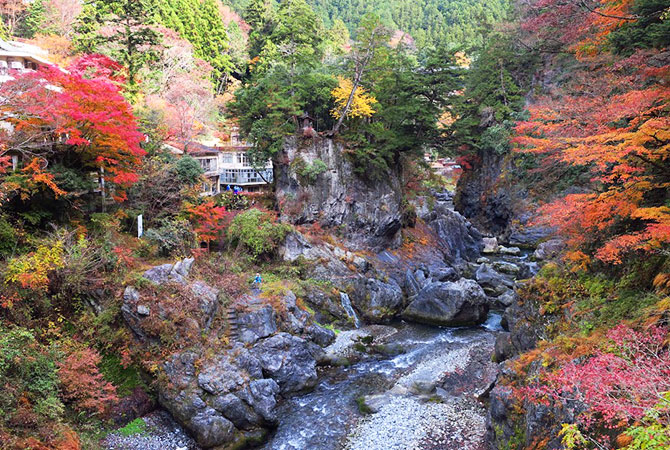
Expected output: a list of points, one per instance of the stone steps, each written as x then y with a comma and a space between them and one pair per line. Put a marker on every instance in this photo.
233, 326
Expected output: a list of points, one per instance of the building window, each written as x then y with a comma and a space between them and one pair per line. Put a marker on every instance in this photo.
208, 165
243, 159
228, 158
15, 162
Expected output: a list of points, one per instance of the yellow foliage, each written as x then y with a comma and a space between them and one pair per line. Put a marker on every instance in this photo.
361, 106
31, 271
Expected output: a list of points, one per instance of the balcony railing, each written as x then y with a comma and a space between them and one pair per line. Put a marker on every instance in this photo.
246, 176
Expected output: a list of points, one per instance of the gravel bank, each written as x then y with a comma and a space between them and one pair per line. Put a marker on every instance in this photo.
405, 423
162, 433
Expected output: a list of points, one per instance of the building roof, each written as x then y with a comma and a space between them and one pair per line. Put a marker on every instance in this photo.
199, 149
17, 49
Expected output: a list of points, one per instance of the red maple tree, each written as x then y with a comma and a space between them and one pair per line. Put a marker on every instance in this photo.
55, 115
210, 221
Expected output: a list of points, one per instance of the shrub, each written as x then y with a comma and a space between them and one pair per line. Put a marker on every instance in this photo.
8, 237
172, 237
257, 231
312, 171
83, 384
29, 373
31, 271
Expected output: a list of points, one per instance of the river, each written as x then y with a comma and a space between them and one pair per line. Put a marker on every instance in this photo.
401, 388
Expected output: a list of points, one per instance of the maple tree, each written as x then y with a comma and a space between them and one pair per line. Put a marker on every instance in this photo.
612, 118
617, 384
69, 118
83, 384
209, 220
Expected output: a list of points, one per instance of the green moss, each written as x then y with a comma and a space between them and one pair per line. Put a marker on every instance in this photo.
363, 408
137, 426
125, 379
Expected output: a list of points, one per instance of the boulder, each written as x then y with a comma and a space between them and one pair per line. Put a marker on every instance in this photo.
208, 301
504, 348
444, 274
170, 272
288, 360
528, 236
506, 267
213, 429
320, 335
256, 325
513, 251
379, 301
133, 312
508, 298
449, 304
459, 239
261, 395
494, 283
490, 245
549, 249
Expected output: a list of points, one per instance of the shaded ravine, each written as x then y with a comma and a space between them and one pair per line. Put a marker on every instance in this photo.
329, 418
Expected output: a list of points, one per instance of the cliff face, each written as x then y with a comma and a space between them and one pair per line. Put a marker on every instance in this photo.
316, 183
483, 197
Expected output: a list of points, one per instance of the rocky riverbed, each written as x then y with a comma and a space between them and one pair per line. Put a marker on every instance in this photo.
423, 397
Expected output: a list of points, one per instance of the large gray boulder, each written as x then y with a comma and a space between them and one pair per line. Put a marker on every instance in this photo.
493, 282
218, 399
256, 325
176, 272
289, 360
378, 301
457, 303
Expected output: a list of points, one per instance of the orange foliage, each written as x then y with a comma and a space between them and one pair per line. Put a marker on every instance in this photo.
615, 121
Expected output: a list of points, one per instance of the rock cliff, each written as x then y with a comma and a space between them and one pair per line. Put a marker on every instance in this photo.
316, 183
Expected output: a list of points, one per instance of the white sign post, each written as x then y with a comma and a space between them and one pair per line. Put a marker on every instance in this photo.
140, 226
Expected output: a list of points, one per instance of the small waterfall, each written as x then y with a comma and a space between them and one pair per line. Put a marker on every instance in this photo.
346, 304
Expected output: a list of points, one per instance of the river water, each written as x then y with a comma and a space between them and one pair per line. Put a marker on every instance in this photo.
328, 418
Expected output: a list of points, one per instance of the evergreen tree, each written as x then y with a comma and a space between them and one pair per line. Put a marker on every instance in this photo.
132, 38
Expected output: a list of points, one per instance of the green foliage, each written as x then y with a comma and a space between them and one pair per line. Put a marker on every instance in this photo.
126, 379
571, 437
173, 237
137, 426
429, 22
199, 22
654, 432
133, 39
33, 22
312, 171
286, 76
28, 369
411, 93
188, 170
493, 98
9, 238
257, 232
651, 30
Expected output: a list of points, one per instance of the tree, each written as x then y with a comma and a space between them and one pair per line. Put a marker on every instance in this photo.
371, 36
361, 105
66, 118
83, 384
13, 12
209, 221
121, 27
201, 23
